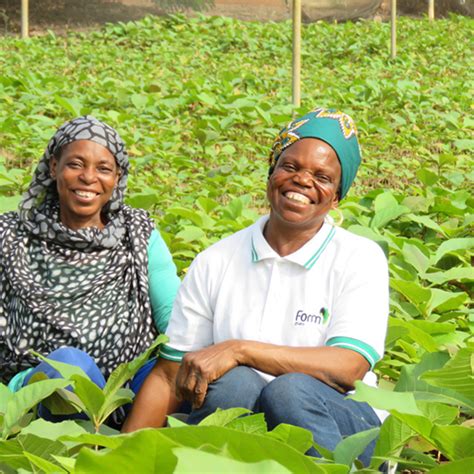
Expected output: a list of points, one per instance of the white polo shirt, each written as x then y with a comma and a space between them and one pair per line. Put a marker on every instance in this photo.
333, 291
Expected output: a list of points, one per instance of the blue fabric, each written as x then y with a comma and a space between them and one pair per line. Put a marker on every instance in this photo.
73, 356
295, 398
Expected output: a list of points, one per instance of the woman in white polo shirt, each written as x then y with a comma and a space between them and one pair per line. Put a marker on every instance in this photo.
284, 316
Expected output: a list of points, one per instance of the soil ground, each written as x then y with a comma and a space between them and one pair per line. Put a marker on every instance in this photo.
61, 16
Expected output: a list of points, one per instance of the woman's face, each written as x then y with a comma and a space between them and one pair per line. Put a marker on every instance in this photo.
86, 174
304, 185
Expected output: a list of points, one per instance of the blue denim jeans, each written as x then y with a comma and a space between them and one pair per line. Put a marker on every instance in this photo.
296, 399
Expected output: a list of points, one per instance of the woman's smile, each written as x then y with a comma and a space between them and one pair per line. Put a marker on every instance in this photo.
86, 174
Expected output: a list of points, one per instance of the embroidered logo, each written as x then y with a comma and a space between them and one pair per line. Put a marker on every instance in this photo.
302, 318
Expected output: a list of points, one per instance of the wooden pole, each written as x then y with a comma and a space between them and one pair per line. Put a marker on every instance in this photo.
393, 39
296, 82
431, 13
24, 19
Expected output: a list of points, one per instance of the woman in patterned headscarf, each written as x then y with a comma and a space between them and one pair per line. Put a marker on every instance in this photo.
78, 267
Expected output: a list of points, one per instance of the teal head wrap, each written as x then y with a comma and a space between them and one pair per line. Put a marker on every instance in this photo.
335, 128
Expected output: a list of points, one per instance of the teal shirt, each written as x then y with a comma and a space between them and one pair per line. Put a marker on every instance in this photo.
163, 284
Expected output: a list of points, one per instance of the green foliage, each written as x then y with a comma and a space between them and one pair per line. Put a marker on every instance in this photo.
198, 102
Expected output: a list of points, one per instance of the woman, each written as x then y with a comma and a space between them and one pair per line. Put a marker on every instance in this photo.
284, 316
79, 268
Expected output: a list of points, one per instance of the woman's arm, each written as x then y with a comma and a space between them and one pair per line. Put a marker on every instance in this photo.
163, 280
156, 399
339, 368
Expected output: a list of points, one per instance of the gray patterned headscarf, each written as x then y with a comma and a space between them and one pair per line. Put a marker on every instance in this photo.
86, 288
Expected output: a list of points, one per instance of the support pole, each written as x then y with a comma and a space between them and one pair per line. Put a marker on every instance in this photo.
24, 19
393, 39
431, 13
296, 82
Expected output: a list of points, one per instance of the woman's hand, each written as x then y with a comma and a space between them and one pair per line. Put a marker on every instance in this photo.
199, 369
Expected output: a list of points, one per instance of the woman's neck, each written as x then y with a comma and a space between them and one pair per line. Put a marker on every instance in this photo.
286, 239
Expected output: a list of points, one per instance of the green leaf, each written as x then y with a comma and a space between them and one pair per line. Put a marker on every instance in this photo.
66, 370
350, 448
415, 257
25, 399
294, 436
190, 234
455, 467
386, 210
223, 417
142, 451
394, 434
455, 442
453, 274
12, 452
456, 375
90, 395
5, 395
9, 203
385, 399
52, 431
453, 246
193, 460
249, 424
45, 466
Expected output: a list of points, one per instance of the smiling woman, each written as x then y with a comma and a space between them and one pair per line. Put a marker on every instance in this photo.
82, 276
284, 316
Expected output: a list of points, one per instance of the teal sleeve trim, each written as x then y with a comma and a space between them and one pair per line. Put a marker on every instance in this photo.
163, 281
168, 353
355, 345
18, 380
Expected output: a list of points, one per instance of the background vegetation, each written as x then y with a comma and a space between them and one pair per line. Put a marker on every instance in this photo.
198, 102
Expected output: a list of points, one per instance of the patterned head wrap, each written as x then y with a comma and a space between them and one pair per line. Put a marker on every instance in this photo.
335, 128
81, 128
86, 288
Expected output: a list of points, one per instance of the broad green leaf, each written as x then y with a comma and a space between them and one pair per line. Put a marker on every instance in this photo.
193, 460
143, 451
53, 431
190, 233
452, 246
173, 422
25, 399
12, 451
385, 399
425, 221
453, 274
455, 467
294, 436
414, 256
445, 300
411, 380
250, 424
247, 447
111, 442
386, 210
45, 466
416, 334
126, 371
9, 203
456, 375
394, 434
455, 442
223, 417
350, 448
438, 413
66, 370
90, 395
5, 395
66, 462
